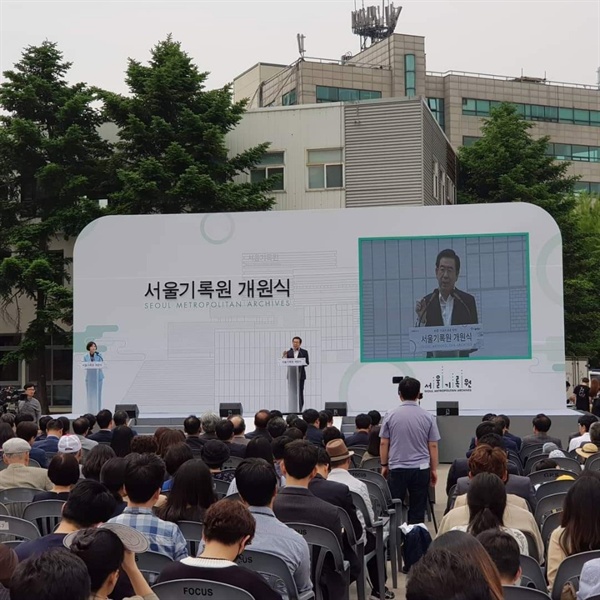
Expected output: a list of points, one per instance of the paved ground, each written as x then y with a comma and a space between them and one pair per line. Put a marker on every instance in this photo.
440, 506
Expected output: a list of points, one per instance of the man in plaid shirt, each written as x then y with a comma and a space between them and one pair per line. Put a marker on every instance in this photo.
144, 476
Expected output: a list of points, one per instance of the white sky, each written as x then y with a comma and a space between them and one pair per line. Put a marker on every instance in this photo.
558, 38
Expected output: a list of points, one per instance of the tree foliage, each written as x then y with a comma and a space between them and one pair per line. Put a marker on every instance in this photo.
172, 157
508, 165
51, 160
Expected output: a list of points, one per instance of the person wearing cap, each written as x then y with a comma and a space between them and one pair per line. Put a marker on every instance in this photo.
587, 450
340, 464
88, 505
589, 580
18, 474
106, 550
54, 430
215, 453
70, 444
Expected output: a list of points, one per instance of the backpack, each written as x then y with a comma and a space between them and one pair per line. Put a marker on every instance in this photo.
415, 542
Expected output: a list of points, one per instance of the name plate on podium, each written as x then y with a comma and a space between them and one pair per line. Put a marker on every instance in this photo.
449, 338
92, 365
291, 362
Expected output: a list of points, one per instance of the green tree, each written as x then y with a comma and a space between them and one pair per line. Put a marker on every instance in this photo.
51, 161
171, 157
508, 165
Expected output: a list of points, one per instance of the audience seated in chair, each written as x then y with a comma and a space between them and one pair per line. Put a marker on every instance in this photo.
192, 427
18, 474
541, 426
585, 421
505, 553
104, 419
64, 474
104, 554
261, 420
276, 427
54, 429
214, 454
120, 442
578, 531
144, 475
112, 475
27, 430
589, 581
209, 422
313, 433
81, 427
372, 445
95, 460
360, 437
257, 485
224, 432
89, 504
239, 430
228, 528
176, 455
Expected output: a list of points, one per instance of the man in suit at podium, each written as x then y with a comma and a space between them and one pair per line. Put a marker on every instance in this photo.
297, 352
447, 305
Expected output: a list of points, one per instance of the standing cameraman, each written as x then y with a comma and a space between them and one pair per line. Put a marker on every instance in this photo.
28, 405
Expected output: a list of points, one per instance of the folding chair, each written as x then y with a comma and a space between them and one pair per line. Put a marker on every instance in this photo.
592, 463
549, 475
532, 547
551, 522
554, 487
373, 464
199, 588
44, 514
359, 548
568, 463
151, 564
221, 488
16, 499
548, 505
532, 576
235, 496
532, 461
570, 570
376, 528
275, 570
3, 510
17, 528
530, 450
232, 462
51, 455
192, 532
516, 466
514, 592
358, 450
326, 542
34, 463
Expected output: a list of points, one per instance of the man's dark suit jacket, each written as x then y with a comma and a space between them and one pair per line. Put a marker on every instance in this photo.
314, 435
259, 433
509, 444
540, 438
302, 353
195, 442
359, 438
104, 435
463, 313
460, 468
299, 505
337, 494
515, 484
238, 450
515, 438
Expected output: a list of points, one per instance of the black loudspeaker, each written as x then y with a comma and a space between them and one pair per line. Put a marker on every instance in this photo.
340, 409
132, 410
227, 409
446, 409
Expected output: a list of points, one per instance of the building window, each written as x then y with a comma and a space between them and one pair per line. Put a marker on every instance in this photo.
436, 180
289, 99
574, 152
410, 75
9, 373
325, 169
451, 191
589, 187
534, 112
443, 197
270, 165
436, 106
335, 94
469, 140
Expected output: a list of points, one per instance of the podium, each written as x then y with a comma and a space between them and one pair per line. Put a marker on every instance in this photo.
292, 365
94, 377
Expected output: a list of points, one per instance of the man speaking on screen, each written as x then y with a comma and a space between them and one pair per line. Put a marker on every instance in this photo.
447, 305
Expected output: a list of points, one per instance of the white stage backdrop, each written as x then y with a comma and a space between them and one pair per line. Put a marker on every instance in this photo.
188, 311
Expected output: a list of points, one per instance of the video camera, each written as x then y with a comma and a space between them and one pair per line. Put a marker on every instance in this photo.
9, 399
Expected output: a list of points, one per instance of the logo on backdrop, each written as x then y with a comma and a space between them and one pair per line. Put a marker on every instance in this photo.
449, 380
224, 293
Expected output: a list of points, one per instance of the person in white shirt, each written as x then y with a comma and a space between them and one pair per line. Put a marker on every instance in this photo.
585, 421
340, 464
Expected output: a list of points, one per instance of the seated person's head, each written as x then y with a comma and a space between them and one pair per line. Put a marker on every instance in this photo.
278, 445
493, 440
595, 433
362, 422
261, 419
94, 460
545, 463
89, 503
215, 453
331, 433
224, 430
323, 419
144, 476
91, 419
445, 575
293, 433
104, 419
311, 416
230, 525
102, 551
485, 459
501, 421
63, 470
504, 552
300, 460
16, 451
81, 426
209, 422
302, 425
260, 447
256, 481
191, 425
27, 430
55, 427
585, 421
276, 427
239, 425
486, 428
541, 423
374, 441
375, 417
112, 475
43, 422
176, 455
21, 418
144, 444
323, 463
55, 575
120, 418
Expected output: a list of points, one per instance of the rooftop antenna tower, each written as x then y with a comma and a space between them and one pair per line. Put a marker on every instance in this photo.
300, 37
374, 23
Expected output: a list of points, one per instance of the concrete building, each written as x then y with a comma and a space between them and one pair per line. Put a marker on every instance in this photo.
396, 67
344, 155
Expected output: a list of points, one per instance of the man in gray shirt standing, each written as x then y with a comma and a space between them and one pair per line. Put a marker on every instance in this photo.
30, 405
409, 449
